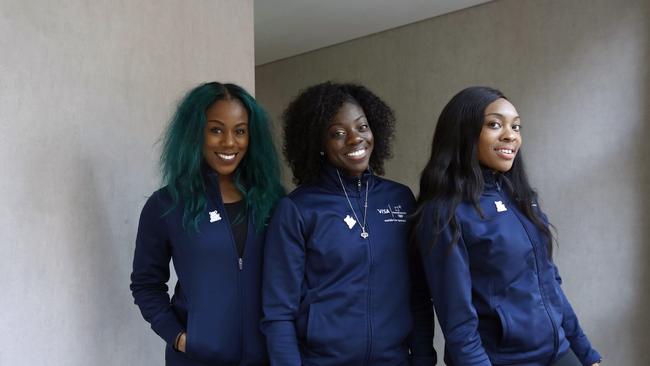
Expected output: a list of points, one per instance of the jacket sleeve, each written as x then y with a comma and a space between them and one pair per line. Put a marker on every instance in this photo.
421, 340
151, 272
284, 265
449, 278
580, 345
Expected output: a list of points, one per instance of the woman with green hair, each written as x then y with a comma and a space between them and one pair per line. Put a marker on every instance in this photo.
221, 180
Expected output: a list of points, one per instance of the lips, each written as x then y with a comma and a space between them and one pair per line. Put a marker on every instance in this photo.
228, 157
506, 152
357, 153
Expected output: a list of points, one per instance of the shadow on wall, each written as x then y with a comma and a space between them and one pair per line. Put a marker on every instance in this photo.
104, 262
107, 293
643, 185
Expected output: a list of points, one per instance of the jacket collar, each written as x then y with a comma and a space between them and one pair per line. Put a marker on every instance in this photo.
491, 178
328, 178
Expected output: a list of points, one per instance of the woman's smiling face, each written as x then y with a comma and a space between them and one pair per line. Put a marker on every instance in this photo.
500, 137
348, 140
225, 138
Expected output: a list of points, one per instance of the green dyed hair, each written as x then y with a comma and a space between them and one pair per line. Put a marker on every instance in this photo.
181, 161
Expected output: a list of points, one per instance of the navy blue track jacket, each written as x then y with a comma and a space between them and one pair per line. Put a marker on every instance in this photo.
331, 297
496, 291
217, 299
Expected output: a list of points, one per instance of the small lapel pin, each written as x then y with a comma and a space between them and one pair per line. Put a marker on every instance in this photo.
214, 216
349, 221
500, 206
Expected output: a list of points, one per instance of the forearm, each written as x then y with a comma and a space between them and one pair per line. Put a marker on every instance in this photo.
282, 343
421, 338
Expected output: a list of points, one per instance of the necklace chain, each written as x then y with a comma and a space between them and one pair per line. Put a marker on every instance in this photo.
364, 233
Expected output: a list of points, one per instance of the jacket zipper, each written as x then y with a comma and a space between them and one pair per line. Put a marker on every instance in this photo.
539, 281
370, 263
240, 266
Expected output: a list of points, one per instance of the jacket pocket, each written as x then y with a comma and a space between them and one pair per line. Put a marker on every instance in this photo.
189, 335
503, 320
526, 329
213, 337
311, 324
321, 327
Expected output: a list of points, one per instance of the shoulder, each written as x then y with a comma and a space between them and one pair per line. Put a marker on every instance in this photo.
435, 209
390, 183
396, 188
306, 193
157, 205
442, 212
160, 199
286, 206
153, 216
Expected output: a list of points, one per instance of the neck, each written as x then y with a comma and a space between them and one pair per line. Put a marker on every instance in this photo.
229, 191
351, 175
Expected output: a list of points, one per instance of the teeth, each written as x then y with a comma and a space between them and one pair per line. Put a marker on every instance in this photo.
227, 156
505, 151
356, 153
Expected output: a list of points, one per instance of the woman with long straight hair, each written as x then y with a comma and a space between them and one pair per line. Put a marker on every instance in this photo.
486, 244
220, 182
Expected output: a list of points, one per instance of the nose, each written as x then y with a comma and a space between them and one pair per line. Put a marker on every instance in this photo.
228, 139
508, 134
353, 138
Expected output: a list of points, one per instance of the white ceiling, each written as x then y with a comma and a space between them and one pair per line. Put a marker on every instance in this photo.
285, 28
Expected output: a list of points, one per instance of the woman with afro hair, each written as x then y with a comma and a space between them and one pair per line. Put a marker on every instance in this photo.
336, 287
221, 181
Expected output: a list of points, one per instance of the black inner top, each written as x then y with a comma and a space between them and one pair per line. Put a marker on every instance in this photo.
236, 212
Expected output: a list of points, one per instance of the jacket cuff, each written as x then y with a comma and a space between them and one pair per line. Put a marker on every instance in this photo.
592, 357
582, 348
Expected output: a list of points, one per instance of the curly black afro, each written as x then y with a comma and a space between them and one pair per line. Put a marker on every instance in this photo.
309, 114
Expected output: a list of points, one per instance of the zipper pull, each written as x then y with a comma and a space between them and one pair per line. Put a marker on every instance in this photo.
241, 264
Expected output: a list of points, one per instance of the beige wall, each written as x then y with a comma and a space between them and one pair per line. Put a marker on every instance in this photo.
85, 90
577, 72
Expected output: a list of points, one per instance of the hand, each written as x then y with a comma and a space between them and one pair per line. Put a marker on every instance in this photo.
181, 342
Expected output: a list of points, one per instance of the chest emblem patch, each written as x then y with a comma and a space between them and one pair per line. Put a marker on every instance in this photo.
500, 206
392, 213
350, 221
214, 216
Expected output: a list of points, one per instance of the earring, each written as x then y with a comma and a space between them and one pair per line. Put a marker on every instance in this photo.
322, 153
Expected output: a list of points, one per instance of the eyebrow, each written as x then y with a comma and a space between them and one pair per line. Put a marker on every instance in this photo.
500, 115
221, 122
356, 119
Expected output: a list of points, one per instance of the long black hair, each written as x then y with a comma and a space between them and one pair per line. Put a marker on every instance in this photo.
453, 173
308, 115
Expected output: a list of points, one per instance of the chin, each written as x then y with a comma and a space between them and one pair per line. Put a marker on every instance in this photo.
225, 173
356, 170
222, 171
